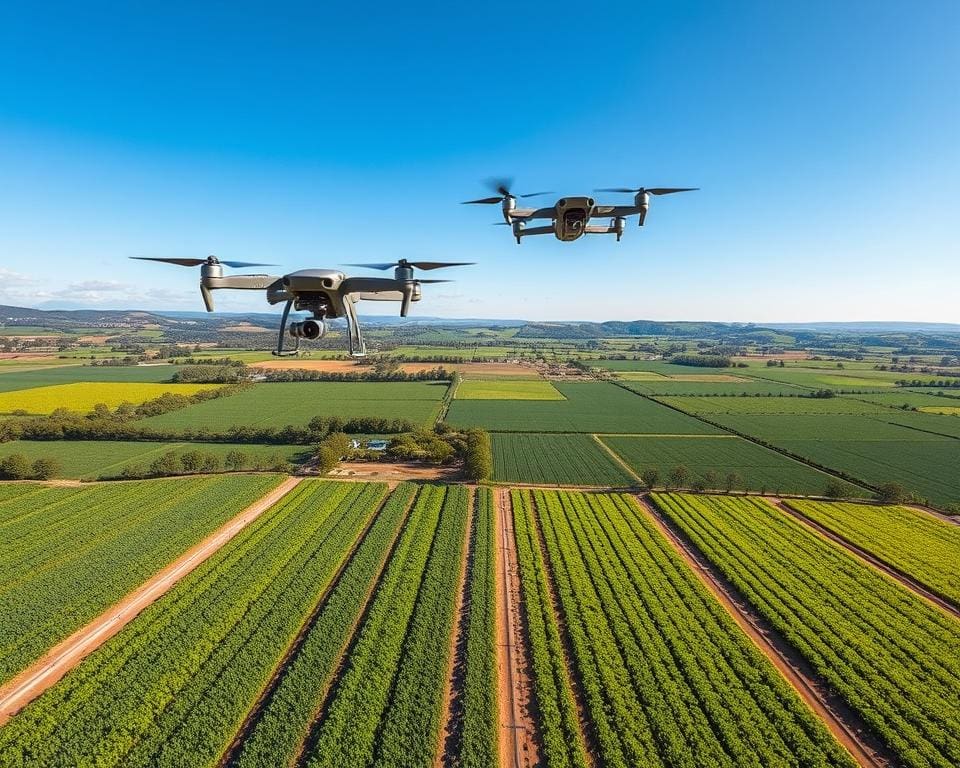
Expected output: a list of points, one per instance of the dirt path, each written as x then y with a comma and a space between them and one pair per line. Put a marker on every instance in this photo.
861, 554
451, 721
518, 745
845, 724
64, 656
392, 473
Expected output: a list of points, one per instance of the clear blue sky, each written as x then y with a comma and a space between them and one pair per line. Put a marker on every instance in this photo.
825, 137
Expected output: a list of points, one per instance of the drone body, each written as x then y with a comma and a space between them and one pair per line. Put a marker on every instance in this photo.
327, 294
570, 217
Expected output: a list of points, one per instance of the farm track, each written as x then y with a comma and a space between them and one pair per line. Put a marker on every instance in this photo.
616, 457
519, 746
66, 655
870, 559
450, 725
845, 724
257, 708
579, 696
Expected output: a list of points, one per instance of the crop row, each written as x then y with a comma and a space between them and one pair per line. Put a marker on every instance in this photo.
478, 740
385, 705
668, 677
574, 459
561, 741
892, 657
67, 554
173, 687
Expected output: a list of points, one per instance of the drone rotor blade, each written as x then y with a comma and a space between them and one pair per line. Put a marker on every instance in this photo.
670, 190
435, 281
180, 262
500, 185
483, 201
616, 189
500, 224
439, 264
535, 194
246, 264
378, 265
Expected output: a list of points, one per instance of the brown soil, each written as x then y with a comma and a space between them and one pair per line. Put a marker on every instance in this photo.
66, 655
792, 355
392, 473
246, 328
845, 724
518, 735
102, 339
451, 722
870, 559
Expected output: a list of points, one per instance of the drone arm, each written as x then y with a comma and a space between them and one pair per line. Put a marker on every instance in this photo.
545, 230
533, 213
210, 283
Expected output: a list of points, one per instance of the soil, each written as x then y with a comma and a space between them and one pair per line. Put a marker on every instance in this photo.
66, 655
518, 735
392, 473
845, 724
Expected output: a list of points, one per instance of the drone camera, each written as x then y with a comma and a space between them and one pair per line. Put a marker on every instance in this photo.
308, 329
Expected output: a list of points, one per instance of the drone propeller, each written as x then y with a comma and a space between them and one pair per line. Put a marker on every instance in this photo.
404, 264
502, 188
650, 190
199, 262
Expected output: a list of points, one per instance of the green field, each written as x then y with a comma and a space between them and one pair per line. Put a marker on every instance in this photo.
277, 405
665, 386
515, 389
759, 468
68, 553
912, 398
629, 604
892, 657
589, 407
83, 396
90, 459
774, 405
914, 542
555, 460
67, 374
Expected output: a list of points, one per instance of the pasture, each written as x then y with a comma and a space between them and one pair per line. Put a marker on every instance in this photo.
759, 468
281, 404
83, 396
553, 459
663, 385
589, 407
68, 374
521, 389
774, 405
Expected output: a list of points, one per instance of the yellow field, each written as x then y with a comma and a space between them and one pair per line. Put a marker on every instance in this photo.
640, 376
493, 389
946, 410
83, 396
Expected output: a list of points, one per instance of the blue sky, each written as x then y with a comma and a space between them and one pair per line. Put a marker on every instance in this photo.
824, 137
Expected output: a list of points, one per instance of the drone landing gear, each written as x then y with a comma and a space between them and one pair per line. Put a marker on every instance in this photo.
280, 351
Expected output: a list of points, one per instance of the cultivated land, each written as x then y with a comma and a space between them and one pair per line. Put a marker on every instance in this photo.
277, 405
91, 459
555, 460
589, 407
70, 373
758, 468
892, 656
68, 553
520, 389
83, 396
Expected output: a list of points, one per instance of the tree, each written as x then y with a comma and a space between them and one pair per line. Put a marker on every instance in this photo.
892, 493
44, 468
211, 463
698, 484
732, 482
650, 477
235, 460
478, 456
168, 464
835, 489
191, 461
711, 479
679, 476
15, 467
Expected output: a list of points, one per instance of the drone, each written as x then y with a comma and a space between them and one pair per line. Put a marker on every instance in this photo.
325, 293
570, 216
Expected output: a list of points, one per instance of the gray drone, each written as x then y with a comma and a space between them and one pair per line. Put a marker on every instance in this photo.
325, 293
570, 216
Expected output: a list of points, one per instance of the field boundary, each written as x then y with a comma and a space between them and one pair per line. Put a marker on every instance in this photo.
902, 578
617, 458
844, 723
67, 654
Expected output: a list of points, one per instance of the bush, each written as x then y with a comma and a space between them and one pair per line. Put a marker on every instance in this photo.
650, 477
835, 489
45, 468
892, 493
15, 467
478, 457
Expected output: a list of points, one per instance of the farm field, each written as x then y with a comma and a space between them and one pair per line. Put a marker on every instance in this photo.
521, 389
912, 398
758, 468
66, 554
83, 396
775, 405
92, 459
670, 386
917, 544
625, 599
553, 459
71, 373
842, 379
589, 407
174, 685
277, 405
894, 658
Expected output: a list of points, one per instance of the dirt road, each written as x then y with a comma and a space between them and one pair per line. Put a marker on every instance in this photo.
63, 657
